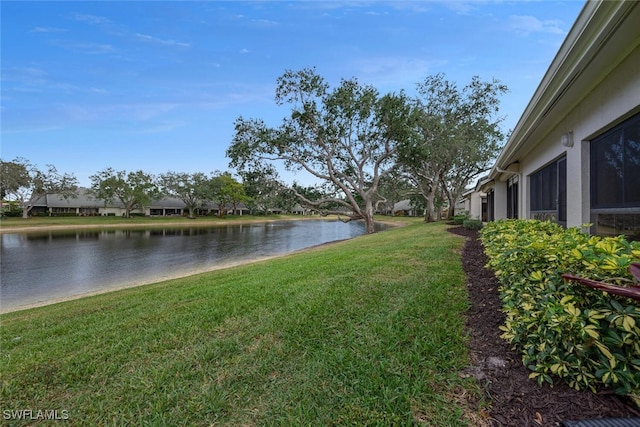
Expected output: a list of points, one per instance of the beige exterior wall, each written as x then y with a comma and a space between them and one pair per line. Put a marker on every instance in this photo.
475, 204
614, 99
119, 211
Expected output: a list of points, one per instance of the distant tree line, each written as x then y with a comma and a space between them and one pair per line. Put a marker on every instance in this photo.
24, 183
367, 151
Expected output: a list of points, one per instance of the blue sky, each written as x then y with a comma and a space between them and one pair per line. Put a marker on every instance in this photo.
157, 86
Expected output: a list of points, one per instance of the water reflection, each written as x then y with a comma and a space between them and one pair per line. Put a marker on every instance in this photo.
42, 266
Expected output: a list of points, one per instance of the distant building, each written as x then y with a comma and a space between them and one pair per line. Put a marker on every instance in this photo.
474, 201
85, 205
299, 210
405, 208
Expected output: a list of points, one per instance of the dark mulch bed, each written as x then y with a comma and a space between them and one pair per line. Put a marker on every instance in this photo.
514, 399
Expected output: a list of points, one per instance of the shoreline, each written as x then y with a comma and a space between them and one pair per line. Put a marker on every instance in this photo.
151, 224
179, 275
135, 284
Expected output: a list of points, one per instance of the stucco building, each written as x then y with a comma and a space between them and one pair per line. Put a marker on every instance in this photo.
83, 204
574, 155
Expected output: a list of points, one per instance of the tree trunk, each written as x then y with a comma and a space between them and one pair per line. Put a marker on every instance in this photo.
369, 222
128, 207
27, 205
430, 209
191, 214
451, 209
367, 216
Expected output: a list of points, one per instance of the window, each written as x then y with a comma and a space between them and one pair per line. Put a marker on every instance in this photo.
484, 210
548, 192
512, 197
89, 211
63, 210
615, 180
491, 205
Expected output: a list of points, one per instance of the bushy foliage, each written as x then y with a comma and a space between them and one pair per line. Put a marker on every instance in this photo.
586, 337
11, 209
460, 219
472, 224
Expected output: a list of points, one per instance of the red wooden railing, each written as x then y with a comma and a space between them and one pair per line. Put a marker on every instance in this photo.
632, 291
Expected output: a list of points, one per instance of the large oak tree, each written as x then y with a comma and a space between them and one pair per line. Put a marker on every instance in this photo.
192, 188
25, 183
263, 189
346, 137
135, 190
458, 135
226, 192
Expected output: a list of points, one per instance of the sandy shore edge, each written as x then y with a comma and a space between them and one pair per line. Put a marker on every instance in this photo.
194, 223
180, 275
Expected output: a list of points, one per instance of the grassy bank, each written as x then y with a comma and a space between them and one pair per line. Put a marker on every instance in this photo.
363, 332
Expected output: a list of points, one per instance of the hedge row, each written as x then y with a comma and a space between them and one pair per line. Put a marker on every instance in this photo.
562, 329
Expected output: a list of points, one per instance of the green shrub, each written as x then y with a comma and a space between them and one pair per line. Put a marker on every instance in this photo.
13, 213
460, 219
587, 337
472, 224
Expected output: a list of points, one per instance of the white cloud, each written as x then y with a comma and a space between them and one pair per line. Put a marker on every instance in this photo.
522, 24
91, 19
372, 13
33, 79
159, 127
265, 23
31, 128
47, 30
31, 76
85, 47
395, 72
141, 112
463, 7
151, 39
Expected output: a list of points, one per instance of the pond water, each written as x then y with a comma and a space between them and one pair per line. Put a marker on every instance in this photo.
37, 267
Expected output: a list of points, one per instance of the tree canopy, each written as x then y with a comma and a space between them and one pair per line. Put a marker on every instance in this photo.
133, 189
25, 183
191, 188
226, 191
457, 136
365, 150
263, 189
346, 137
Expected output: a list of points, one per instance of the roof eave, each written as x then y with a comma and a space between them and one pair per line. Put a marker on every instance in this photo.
591, 29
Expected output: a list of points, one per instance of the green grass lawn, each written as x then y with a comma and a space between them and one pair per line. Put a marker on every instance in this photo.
368, 331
